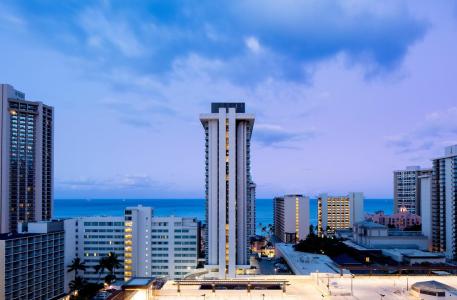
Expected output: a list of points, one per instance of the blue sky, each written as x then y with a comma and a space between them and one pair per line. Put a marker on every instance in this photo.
344, 92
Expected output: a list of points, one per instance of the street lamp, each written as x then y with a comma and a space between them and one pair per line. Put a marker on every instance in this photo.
382, 295
263, 296
204, 296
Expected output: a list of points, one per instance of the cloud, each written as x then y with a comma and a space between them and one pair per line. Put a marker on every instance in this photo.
253, 44
103, 32
437, 130
269, 135
283, 39
130, 182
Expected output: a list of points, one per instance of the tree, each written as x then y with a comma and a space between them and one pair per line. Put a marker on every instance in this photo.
76, 265
77, 284
110, 263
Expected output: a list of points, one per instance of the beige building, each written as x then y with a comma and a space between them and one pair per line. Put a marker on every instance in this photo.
338, 212
291, 218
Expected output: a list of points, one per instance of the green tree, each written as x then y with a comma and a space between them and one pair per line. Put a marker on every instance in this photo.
77, 284
76, 265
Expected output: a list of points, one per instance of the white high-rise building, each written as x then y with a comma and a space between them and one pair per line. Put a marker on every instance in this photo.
91, 238
338, 212
26, 159
228, 132
291, 218
444, 203
159, 246
407, 189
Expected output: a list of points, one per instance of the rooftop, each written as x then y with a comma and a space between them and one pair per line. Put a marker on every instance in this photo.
239, 106
303, 263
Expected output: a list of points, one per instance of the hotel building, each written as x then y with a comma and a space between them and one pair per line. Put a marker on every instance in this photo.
338, 212
407, 189
443, 204
291, 218
159, 246
228, 188
26, 159
90, 239
32, 262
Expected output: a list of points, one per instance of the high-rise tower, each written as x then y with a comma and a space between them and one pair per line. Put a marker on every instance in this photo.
26, 162
229, 187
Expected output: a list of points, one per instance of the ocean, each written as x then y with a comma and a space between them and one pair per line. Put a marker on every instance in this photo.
68, 208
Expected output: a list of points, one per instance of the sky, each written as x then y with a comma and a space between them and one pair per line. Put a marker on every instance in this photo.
344, 92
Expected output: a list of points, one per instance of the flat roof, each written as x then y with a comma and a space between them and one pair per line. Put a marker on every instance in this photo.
305, 263
139, 282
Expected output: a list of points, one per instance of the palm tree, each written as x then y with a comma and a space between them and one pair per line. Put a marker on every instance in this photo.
77, 284
76, 265
110, 262
100, 267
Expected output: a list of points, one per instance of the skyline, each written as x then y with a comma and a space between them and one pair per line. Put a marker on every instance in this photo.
338, 106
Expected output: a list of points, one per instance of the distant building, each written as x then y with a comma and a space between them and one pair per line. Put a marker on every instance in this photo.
426, 206
90, 239
291, 218
376, 236
407, 189
443, 203
159, 246
400, 220
229, 190
32, 262
26, 159
338, 212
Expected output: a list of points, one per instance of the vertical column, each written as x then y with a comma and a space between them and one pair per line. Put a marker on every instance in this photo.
232, 197
222, 194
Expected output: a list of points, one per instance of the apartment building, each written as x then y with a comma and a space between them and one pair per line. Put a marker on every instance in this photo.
91, 238
26, 159
338, 212
32, 262
407, 189
228, 187
291, 218
443, 204
159, 246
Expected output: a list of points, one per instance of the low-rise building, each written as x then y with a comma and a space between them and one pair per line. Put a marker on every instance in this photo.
376, 236
32, 261
414, 256
291, 218
338, 212
400, 220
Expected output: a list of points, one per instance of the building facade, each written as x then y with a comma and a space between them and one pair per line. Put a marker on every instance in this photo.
401, 220
291, 218
32, 262
338, 212
26, 162
159, 246
407, 189
376, 236
228, 132
90, 239
443, 203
